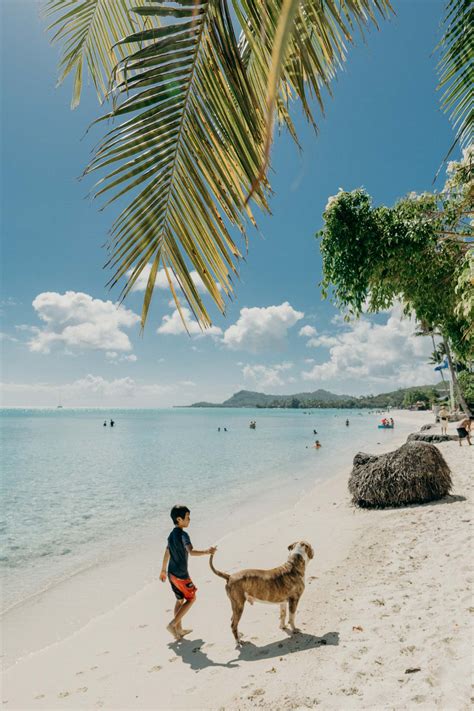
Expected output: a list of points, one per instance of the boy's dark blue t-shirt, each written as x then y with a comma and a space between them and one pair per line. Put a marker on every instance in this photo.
178, 563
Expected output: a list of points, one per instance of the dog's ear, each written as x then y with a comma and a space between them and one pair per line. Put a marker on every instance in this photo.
309, 550
292, 545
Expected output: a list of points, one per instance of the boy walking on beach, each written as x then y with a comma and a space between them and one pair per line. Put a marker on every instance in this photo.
176, 558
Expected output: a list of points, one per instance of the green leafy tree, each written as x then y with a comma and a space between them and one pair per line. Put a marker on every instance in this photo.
411, 397
413, 252
466, 382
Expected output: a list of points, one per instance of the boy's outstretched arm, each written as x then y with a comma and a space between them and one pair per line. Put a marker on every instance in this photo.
208, 551
166, 558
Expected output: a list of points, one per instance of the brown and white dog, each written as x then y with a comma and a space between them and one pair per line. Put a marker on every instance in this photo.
283, 585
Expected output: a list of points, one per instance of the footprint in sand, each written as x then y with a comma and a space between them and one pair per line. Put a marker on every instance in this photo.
79, 673
40, 696
93, 668
154, 669
63, 694
142, 626
82, 690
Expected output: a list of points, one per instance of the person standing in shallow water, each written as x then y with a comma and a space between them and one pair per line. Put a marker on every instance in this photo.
105, 423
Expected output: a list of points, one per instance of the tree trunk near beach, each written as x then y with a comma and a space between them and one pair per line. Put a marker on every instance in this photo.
457, 388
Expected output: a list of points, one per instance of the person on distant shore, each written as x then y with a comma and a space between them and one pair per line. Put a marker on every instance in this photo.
347, 423
464, 430
112, 423
443, 415
178, 549
105, 423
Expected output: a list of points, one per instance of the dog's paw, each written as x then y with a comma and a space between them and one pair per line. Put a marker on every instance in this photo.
295, 630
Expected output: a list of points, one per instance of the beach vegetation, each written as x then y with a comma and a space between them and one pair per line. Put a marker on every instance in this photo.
418, 252
193, 87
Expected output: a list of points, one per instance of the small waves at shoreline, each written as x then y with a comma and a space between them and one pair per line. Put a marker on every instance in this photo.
74, 491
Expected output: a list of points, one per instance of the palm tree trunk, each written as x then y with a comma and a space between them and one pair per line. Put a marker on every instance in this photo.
446, 386
457, 388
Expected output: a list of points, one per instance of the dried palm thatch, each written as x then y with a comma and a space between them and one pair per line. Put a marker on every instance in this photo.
413, 474
426, 437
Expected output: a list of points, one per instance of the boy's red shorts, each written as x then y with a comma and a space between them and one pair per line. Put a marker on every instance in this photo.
182, 588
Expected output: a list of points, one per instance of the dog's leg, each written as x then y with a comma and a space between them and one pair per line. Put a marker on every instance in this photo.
237, 610
293, 604
282, 615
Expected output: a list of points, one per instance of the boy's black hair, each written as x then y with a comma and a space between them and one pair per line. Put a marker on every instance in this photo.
178, 511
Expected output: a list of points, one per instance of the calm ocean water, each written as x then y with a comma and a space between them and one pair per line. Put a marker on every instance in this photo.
73, 490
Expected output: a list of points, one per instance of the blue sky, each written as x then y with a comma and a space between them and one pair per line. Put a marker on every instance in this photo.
62, 336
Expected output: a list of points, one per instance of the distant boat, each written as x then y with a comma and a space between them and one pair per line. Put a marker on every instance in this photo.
59, 407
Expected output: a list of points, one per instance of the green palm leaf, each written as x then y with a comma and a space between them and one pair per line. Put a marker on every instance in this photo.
456, 69
195, 136
188, 151
88, 30
197, 118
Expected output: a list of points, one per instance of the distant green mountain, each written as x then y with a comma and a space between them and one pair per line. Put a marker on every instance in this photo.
324, 398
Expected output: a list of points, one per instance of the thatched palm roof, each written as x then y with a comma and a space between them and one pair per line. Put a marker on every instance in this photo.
413, 474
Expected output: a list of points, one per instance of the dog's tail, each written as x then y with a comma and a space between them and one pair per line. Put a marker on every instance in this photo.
226, 576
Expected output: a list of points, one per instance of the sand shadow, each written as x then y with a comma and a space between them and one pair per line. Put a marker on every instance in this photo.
292, 644
190, 652
449, 499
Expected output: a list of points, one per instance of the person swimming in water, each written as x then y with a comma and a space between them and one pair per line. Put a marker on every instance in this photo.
317, 444
105, 423
347, 423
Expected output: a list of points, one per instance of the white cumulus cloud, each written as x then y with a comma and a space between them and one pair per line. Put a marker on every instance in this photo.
162, 280
307, 331
261, 328
115, 357
172, 325
367, 353
266, 376
91, 391
78, 321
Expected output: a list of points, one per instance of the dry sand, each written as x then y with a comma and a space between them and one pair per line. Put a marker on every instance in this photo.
385, 619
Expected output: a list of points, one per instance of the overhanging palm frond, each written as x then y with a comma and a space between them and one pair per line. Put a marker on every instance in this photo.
192, 144
456, 69
188, 152
88, 30
295, 49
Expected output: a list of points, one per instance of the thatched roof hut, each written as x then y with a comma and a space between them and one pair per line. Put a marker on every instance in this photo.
413, 474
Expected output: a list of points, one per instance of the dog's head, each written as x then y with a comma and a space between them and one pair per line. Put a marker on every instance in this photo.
302, 548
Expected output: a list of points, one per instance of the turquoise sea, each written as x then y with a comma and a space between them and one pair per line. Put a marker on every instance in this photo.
75, 492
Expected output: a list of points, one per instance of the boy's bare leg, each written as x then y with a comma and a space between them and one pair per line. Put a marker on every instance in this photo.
178, 626
180, 609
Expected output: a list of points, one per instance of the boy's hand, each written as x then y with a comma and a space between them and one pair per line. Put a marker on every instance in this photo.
163, 576
212, 550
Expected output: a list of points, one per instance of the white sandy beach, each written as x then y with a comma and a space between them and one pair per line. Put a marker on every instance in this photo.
385, 619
